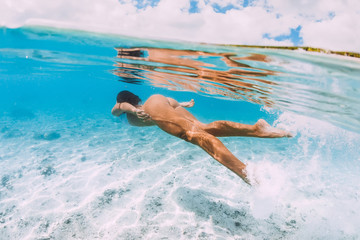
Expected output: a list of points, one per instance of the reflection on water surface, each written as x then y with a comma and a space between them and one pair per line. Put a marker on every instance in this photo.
222, 74
309, 85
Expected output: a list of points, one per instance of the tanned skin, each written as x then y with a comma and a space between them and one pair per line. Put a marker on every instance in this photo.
172, 117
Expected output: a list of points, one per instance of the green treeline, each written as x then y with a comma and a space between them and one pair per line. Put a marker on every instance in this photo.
309, 49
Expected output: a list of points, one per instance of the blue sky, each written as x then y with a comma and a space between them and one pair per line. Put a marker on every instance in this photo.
326, 24
294, 36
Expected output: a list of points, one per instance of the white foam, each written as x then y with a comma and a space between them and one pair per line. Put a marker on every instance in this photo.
269, 182
310, 187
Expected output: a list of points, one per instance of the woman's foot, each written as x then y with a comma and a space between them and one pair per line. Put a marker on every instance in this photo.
188, 104
263, 129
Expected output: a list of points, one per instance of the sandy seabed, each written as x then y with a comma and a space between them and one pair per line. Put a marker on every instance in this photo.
89, 178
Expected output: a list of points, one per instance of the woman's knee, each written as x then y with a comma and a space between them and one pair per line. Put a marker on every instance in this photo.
213, 128
194, 136
186, 135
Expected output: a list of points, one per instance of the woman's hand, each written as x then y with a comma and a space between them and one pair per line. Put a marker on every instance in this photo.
141, 114
116, 110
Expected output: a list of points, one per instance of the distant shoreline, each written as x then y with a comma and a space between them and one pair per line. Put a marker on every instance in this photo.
308, 49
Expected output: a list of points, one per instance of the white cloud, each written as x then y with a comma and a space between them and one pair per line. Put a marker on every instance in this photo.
328, 24
340, 32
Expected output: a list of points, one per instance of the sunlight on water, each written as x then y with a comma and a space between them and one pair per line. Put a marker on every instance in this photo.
70, 170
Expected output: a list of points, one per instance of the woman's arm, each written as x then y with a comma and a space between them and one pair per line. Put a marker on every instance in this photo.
120, 108
125, 107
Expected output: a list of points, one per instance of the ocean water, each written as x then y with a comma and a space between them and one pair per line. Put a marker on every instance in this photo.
71, 170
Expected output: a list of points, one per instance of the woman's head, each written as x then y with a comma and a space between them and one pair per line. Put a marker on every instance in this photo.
129, 97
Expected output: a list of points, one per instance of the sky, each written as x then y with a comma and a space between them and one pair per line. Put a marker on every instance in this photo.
329, 24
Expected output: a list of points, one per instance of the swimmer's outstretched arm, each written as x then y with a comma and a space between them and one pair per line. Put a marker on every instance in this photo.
125, 107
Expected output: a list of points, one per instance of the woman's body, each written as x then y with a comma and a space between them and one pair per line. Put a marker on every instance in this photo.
173, 118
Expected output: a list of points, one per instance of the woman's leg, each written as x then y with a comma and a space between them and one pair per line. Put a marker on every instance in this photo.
176, 104
260, 129
215, 148
188, 131
226, 128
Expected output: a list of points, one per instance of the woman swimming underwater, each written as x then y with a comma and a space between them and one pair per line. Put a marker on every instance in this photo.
172, 117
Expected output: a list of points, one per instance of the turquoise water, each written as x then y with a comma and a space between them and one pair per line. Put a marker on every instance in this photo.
70, 170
